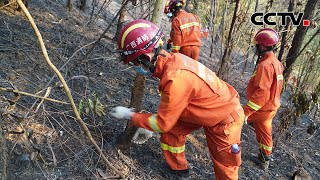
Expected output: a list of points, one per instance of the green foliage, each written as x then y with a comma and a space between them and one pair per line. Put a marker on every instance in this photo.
93, 104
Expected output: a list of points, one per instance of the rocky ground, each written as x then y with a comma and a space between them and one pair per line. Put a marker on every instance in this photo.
45, 142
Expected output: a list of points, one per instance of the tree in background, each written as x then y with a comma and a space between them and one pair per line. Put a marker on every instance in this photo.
212, 20
124, 140
285, 32
298, 38
122, 16
225, 61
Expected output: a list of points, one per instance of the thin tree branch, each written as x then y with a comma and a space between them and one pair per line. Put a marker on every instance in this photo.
104, 32
32, 95
313, 36
65, 86
7, 5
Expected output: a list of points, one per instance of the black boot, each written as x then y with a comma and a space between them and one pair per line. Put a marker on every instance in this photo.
264, 161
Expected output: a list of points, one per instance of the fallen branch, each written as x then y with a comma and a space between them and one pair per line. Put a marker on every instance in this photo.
32, 95
65, 86
7, 5
46, 95
53, 155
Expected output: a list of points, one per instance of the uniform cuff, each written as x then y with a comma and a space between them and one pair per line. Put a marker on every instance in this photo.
141, 120
248, 111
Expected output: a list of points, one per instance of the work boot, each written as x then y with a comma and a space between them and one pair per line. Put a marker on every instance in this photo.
264, 165
264, 161
182, 174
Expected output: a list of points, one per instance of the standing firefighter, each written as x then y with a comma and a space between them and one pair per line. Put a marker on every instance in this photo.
185, 31
192, 97
263, 92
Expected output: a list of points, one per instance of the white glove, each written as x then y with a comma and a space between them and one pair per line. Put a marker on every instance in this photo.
121, 112
142, 135
246, 120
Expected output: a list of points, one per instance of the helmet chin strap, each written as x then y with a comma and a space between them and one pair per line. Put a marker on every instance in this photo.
261, 53
145, 60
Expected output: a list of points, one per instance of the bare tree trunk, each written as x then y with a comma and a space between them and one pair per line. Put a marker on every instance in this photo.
269, 5
187, 7
298, 38
124, 140
195, 6
69, 5
120, 21
82, 5
250, 38
285, 32
141, 7
212, 23
149, 9
223, 71
221, 26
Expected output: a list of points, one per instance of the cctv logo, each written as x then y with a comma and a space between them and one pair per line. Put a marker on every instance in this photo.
264, 18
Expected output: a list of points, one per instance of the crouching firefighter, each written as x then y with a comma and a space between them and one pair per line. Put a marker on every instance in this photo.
263, 92
192, 97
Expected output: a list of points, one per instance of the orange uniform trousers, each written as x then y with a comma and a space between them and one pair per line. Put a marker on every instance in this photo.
219, 139
262, 123
191, 51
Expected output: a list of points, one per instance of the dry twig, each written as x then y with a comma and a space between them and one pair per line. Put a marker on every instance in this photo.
65, 86
32, 95
46, 95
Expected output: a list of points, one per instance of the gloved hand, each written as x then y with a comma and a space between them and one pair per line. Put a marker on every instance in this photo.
246, 120
142, 135
169, 46
121, 112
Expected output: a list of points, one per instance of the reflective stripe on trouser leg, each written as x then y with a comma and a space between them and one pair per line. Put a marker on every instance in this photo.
173, 145
262, 123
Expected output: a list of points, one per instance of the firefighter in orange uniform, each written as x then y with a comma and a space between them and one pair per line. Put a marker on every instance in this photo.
263, 92
192, 97
185, 31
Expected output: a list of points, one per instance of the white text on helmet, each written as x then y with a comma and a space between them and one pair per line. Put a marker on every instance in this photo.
139, 40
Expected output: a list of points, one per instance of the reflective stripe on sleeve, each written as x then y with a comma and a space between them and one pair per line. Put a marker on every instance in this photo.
153, 123
189, 25
254, 106
176, 48
202, 71
280, 77
172, 149
267, 148
254, 74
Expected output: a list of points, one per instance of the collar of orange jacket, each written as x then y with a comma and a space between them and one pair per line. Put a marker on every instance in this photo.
267, 55
181, 12
161, 62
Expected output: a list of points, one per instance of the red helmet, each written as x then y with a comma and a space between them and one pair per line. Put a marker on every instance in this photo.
171, 4
266, 37
136, 38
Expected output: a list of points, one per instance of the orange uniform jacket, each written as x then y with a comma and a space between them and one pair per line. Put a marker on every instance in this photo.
185, 95
263, 91
185, 31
